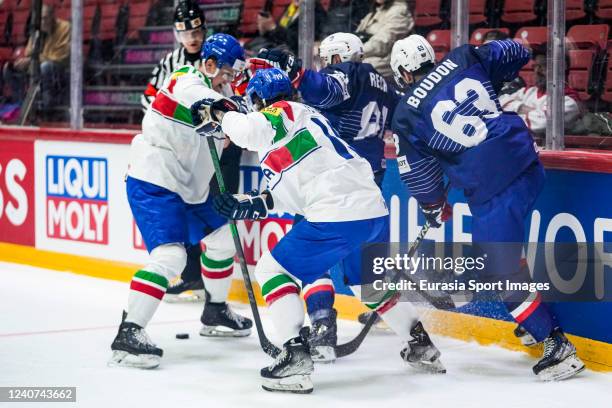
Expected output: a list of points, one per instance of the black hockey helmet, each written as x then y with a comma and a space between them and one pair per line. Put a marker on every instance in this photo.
188, 16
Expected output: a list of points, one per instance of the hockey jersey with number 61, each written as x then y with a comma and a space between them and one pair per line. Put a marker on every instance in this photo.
309, 170
451, 122
169, 153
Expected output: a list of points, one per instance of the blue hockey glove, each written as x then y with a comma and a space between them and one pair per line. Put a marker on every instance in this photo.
437, 213
250, 206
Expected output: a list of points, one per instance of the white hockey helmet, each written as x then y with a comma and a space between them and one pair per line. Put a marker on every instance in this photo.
410, 54
346, 45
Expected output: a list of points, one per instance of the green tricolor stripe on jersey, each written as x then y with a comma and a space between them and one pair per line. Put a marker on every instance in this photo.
299, 146
170, 108
275, 118
277, 287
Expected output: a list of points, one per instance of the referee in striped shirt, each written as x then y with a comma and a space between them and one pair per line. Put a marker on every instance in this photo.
189, 30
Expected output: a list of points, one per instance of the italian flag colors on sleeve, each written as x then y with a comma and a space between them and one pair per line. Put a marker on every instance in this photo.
293, 151
149, 283
277, 114
277, 287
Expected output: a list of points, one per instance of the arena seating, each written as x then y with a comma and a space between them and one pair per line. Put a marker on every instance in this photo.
125, 38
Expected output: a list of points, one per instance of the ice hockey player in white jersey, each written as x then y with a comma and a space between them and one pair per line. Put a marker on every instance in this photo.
167, 184
313, 172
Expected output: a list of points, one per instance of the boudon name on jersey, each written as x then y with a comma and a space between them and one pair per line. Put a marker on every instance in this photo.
309, 170
168, 152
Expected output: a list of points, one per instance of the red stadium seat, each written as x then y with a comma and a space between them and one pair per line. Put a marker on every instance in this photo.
278, 11
588, 36
580, 66
20, 16
6, 54
479, 34
574, 10
248, 21
533, 36
440, 41
108, 21
477, 11
427, 13
254, 4
607, 91
604, 9
22, 5
139, 9
519, 11
63, 13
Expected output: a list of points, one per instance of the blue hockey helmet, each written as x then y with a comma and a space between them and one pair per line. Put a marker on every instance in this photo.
268, 84
225, 50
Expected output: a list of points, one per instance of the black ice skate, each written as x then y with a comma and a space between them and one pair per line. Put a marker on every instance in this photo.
290, 371
524, 336
220, 321
181, 291
421, 353
378, 323
133, 348
560, 360
323, 339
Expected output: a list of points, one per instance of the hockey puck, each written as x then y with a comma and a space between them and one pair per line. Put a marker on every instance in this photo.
182, 336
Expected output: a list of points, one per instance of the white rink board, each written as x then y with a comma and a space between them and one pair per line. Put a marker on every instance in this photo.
119, 242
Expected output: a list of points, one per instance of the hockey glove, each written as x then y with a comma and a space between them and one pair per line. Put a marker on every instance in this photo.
249, 206
437, 213
211, 110
285, 61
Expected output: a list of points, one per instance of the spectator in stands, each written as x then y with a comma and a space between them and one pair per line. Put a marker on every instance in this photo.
343, 16
189, 29
285, 32
54, 59
271, 35
387, 22
530, 103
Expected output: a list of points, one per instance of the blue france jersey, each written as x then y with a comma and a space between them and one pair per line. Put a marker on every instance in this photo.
358, 103
451, 122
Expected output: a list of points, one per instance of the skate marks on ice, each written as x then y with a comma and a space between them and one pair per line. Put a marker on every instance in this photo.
61, 326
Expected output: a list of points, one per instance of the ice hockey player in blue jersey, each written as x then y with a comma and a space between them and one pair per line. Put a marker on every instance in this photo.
359, 104
450, 122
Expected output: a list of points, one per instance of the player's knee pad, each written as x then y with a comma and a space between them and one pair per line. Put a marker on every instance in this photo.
167, 260
220, 244
275, 281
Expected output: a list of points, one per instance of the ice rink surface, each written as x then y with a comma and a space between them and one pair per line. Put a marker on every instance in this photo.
56, 329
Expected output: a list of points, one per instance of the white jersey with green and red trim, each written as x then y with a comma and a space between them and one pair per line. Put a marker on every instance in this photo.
168, 152
310, 171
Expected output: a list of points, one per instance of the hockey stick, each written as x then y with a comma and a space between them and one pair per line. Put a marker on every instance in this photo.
266, 344
351, 346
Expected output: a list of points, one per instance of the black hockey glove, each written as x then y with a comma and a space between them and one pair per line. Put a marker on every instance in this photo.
283, 60
249, 206
437, 213
211, 110
242, 105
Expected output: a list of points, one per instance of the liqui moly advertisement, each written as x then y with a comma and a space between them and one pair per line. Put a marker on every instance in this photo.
81, 202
